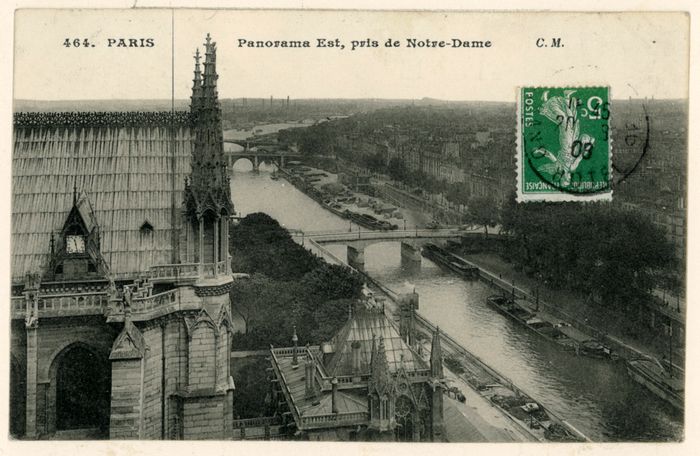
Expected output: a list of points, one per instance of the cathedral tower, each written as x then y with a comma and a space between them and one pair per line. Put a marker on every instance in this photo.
207, 191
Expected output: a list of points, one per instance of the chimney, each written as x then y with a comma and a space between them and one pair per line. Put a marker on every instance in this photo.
295, 339
356, 357
334, 395
309, 376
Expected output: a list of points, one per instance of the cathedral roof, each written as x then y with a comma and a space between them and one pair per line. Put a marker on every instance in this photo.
127, 170
363, 326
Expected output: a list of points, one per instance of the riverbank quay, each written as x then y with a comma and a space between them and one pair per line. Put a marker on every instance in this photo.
392, 192
575, 309
491, 393
364, 210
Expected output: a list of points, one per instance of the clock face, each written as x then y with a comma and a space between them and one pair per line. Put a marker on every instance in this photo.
75, 244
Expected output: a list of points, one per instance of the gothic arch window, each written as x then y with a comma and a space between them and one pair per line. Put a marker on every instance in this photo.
404, 413
374, 401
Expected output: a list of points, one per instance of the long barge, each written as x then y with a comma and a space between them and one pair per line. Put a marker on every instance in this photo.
450, 261
562, 333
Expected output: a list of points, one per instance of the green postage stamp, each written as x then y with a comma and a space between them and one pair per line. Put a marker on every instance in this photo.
564, 144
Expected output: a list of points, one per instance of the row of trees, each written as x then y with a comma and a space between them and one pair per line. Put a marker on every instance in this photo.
288, 287
599, 249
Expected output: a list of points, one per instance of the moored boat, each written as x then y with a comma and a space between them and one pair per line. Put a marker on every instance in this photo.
563, 334
450, 261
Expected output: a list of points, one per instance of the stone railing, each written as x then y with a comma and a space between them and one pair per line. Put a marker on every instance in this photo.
63, 305
150, 304
208, 269
257, 422
175, 271
334, 419
221, 268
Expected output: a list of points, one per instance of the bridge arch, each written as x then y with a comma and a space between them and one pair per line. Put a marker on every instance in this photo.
78, 396
233, 159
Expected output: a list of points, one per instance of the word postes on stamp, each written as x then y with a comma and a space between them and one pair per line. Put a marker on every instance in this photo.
564, 144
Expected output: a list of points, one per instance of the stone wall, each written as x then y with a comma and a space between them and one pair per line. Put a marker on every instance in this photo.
204, 417
125, 413
152, 383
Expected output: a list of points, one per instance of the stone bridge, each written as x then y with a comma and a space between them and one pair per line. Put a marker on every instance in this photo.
356, 241
259, 152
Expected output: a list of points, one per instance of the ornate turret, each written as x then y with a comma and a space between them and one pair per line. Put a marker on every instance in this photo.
207, 190
381, 389
208, 186
380, 379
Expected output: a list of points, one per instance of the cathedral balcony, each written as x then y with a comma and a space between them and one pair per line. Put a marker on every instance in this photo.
65, 305
152, 307
189, 273
174, 272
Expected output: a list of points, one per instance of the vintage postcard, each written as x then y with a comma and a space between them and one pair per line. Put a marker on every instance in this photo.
367, 226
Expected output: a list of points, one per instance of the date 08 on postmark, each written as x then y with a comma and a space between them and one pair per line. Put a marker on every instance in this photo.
564, 144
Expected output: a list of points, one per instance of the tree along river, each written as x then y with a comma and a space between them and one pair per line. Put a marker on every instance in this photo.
596, 396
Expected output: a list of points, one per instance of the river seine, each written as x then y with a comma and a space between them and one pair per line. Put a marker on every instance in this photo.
596, 396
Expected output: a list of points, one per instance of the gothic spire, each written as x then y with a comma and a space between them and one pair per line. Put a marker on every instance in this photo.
196, 83
208, 186
436, 356
211, 96
380, 379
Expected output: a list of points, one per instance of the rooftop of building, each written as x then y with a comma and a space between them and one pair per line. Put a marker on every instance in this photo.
126, 170
366, 327
125, 176
347, 401
370, 331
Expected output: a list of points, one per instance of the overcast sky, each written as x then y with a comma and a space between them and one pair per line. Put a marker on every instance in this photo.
637, 54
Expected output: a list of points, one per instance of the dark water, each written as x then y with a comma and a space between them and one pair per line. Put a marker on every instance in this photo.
595, 396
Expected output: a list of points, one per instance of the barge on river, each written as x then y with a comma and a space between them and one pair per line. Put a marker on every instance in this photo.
561, 333
450, 261
666, 384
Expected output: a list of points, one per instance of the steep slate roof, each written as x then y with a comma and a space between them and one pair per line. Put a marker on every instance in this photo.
361, 327
124, 171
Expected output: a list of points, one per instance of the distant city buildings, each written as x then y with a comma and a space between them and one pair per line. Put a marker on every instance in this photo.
476, 147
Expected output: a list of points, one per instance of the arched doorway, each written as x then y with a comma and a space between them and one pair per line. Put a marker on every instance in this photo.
404, 419
83, 383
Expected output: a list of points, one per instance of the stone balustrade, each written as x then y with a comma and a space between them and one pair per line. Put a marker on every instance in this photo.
257, 422
63, 305
155, 302
334, 419
175, 271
